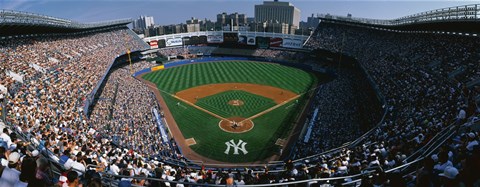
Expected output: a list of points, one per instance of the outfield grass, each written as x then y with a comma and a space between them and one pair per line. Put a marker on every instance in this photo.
204, 128
175, 79
218, 104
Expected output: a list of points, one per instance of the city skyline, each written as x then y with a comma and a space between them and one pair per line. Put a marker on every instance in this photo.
162, 11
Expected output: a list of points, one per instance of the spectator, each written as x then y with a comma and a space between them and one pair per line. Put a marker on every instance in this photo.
42, 176
29, 166
449, 177
73, 180
11, 173
425, 175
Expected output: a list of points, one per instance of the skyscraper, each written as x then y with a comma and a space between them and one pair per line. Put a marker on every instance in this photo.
143, 22
236, 18
277, 12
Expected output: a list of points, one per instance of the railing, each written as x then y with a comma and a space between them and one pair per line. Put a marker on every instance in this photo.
458, 13
18, 17
109, 179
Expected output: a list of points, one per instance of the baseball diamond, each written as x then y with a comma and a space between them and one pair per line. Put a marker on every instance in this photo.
235, 110
218, 103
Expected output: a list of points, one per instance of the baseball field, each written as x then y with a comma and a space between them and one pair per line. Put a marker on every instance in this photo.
233, 111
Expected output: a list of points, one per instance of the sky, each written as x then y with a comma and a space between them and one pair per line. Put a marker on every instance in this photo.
178, 11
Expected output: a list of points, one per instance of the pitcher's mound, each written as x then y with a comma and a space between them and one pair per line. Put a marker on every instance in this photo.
236, 125
236, 102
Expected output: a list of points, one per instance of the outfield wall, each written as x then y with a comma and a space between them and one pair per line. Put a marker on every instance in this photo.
218, 59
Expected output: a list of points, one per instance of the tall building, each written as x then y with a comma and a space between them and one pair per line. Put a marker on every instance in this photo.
234, 19
283, 28
277, 12
313, 21
193, 25
194, 20
144, 22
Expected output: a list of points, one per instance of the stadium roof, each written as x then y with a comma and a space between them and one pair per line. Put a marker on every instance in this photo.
24, 23
452, 19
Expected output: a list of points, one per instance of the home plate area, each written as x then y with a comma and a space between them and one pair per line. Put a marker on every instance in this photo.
236, 125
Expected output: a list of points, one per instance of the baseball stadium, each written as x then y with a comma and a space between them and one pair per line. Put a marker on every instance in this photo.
352, 102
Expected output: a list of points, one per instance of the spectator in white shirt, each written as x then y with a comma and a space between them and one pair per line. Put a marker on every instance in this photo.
5, 137
114, 169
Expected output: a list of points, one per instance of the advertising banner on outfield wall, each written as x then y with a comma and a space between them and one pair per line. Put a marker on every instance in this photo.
242, 40
162, 43
251, 40
174, 42
263, 42
215, 39
186, 41
153, 44
202, 40
194, 40
289, 43
276, 42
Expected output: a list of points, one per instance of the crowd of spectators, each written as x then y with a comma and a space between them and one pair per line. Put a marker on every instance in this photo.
186, 51
412, 72
421, 100
347, 108
278, 54
174, 51
125, 106
48, 106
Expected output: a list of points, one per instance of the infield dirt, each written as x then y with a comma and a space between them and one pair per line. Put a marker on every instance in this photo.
278, 95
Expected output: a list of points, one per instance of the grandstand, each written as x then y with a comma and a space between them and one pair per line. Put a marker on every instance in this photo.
399, 106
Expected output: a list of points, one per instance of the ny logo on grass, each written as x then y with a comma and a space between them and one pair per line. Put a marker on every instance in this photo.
236, 147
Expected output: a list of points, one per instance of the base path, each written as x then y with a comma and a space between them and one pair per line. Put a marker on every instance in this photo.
278, 95
270, 109
202, 109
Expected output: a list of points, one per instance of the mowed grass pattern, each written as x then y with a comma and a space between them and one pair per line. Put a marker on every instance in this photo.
175, 79
218, 104
204, 128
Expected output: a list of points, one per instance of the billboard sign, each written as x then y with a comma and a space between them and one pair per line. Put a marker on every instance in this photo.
202, 40
215, 38
174, 42
242, 40
186, 41
251, 40
161, 43
263, 42
289, 43
153, 44
276, 42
